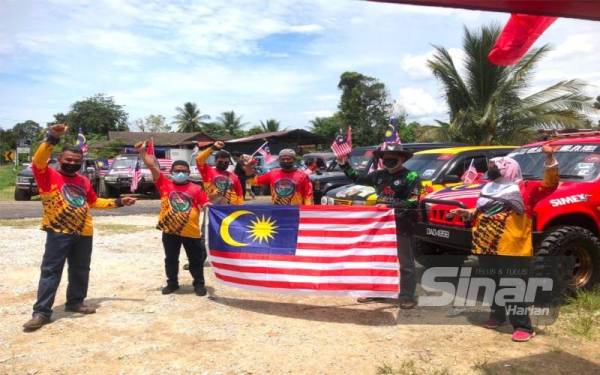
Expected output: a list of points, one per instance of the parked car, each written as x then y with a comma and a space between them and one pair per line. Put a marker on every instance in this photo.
121, 172
566, 222
322, 160
437, 167
26, 187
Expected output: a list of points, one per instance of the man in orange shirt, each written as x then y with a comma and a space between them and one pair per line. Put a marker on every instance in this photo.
181, 203
67, 198
221, 185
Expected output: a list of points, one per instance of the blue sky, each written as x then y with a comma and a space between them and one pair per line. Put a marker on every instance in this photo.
262, 59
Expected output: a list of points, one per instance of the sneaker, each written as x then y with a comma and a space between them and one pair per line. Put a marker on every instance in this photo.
36, 322
520, 335
407, 303
200, 290
169, 289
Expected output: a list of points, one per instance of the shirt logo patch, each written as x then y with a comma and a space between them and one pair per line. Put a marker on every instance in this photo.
285, 187
180, 202
74, 194
222, 183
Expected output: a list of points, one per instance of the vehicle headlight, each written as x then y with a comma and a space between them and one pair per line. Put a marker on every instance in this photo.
324, 200
330, 200
22, 180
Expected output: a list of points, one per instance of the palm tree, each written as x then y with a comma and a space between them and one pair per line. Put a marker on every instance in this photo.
271, 125
231, 122
489, 103
189, 119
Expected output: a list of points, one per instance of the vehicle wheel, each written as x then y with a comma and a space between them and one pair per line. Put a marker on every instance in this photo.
22, 195
579, 243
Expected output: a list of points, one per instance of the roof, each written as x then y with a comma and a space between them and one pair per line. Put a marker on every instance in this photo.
458, 150
323, 155
160, 139
302, 134
568, 141
585, 9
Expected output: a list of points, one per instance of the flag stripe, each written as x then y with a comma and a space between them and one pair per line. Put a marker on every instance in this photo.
356, 245
308, 272
352, 228
294, 278
345, 233
346, 240
340, 220
355, 293
339, 253
305, 285
335, 264
304, 259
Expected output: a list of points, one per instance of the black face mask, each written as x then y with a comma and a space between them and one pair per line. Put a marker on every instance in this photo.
286, 165
70, 168
493, 173
390, 163
222, 165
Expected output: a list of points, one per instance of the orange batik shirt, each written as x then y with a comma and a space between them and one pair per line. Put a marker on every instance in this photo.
66, 199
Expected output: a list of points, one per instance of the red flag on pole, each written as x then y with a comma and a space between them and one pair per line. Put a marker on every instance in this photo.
520, 32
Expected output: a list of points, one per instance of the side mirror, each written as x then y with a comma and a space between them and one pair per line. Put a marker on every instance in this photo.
451, 179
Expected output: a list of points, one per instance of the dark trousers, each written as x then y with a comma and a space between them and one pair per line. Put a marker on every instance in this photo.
196, 254
500, 313
60, 247
406, 257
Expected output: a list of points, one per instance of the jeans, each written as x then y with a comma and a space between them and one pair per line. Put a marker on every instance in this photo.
60, 247
196, 254
406, 257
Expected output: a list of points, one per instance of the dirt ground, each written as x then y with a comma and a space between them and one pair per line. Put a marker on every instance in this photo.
136, 330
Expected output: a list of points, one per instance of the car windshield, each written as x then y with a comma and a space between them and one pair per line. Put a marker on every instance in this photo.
576, 162
426, 165
124, 163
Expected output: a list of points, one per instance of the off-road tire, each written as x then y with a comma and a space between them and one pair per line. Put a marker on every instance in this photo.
560, 241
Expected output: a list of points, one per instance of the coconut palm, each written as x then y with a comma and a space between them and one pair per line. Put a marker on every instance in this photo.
189, 118
490, 104
271, 125
231, 122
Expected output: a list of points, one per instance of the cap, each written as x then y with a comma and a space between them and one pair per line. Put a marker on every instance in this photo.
287, 152
393, 148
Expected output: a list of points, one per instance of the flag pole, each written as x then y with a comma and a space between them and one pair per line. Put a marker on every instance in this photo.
258, 149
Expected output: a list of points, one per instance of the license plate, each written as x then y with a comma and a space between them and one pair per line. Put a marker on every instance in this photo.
343, 202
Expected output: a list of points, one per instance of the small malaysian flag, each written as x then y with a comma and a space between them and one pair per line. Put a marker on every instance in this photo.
81, 142
265, 151
470, 174
136, 176
342, 146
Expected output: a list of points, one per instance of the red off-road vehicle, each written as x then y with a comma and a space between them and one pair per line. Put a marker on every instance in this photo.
565, 222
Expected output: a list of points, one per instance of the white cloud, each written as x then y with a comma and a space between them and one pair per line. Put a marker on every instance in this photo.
419, 103
416, 65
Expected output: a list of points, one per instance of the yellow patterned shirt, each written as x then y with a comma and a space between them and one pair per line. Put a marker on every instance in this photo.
66, 199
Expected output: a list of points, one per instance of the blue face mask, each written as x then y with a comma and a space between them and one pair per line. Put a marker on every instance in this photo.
180, 177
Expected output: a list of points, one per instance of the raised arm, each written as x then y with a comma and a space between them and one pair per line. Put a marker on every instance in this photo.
352, 174
148, 160
43, 153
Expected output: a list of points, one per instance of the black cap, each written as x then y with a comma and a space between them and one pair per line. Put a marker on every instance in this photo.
393, 148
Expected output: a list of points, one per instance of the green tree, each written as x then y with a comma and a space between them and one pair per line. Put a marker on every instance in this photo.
365, 106
215, 130
189, 118
28, 130
270, 125
153, 124
232, 123
255, 130
98, 114
489, 104
327, 127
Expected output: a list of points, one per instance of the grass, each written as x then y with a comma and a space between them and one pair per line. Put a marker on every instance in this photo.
408, 368
582, 313
21, 223
7, 182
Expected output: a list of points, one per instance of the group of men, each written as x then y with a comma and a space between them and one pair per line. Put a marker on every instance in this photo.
67, 198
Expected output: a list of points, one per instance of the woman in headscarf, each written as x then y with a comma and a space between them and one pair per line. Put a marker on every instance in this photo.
502, 225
